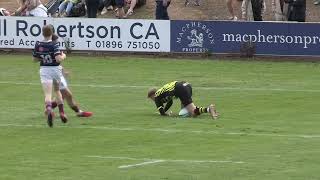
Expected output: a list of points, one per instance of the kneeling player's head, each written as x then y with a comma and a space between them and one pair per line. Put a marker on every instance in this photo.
47, 31
151, 93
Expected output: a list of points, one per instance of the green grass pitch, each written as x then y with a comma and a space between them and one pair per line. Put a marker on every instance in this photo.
269, 126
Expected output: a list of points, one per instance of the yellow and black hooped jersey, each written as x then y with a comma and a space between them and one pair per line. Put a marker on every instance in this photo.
165, 95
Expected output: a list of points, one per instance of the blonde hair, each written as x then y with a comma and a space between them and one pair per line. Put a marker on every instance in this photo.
152, 92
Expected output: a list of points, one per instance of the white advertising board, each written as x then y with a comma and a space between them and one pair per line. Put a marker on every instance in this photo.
88, 34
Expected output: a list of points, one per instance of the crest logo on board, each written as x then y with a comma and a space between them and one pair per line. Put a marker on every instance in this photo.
195, 37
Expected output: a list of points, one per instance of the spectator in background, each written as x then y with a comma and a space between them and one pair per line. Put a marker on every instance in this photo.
162, 9
120, 11
92, 8
132, 5
129, 4
196, 2
30, 8
296, 10
53, 7
4, 12
106, 5
230, 5
21, 11
278, 10
36, 8
257, 9
66, 7
247, 12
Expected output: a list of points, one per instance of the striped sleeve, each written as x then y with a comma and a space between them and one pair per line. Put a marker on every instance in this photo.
56, 50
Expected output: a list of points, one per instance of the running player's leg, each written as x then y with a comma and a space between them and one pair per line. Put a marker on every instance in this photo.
59, 102
67, 95
54, 103
47, 89
46, 82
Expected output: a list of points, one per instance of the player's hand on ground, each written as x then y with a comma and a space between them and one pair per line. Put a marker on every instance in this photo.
169, 113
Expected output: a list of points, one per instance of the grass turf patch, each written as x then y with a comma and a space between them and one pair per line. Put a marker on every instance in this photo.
269, 120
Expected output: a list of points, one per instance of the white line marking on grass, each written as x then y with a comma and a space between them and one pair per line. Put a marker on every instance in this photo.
167, 130
200, 87
140, 164
153, 161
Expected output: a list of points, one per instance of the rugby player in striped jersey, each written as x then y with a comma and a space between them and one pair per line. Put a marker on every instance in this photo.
48, 54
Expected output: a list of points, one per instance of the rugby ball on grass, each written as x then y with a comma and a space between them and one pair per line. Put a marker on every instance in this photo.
184, 112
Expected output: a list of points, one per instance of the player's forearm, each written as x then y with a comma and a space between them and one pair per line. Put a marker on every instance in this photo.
168, 105
161, 111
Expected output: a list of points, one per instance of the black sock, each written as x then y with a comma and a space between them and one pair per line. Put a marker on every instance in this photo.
203, 110
200, 110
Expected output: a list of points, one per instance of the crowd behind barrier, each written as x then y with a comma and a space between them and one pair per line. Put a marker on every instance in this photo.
74, 8
251, 10
283, 10
231, 36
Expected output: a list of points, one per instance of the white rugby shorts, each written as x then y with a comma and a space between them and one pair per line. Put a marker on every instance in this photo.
48, 74
63, 83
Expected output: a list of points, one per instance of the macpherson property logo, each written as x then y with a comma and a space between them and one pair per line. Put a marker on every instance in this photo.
194, 37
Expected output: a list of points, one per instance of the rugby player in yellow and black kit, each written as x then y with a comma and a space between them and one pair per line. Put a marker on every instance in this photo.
181, 90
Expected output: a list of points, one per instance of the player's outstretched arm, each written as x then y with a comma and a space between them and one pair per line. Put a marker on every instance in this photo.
168, 105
